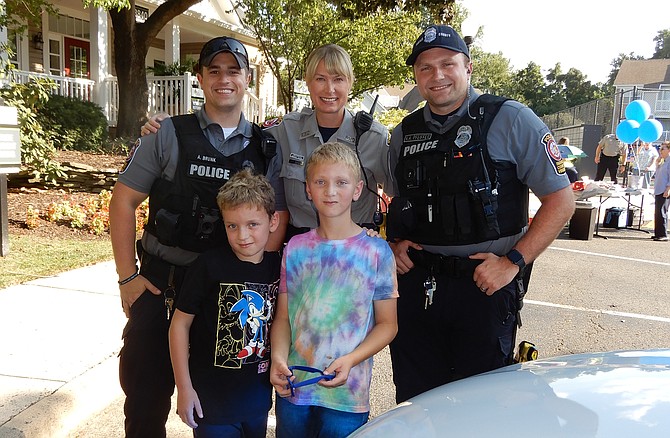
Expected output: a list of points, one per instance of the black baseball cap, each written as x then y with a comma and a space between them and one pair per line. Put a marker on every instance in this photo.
438, 36
223, 44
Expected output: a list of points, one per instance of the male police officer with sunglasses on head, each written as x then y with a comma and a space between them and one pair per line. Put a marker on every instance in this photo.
180, 169
459, 223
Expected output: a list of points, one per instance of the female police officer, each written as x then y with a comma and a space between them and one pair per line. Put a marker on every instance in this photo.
329, 75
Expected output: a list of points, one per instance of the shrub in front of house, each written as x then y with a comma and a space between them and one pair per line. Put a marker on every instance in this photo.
74, 124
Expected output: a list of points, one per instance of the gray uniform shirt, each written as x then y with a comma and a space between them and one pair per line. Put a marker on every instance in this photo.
516, 136
298, 134
156, 156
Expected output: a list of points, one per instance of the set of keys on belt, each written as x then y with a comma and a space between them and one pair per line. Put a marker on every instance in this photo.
429, 286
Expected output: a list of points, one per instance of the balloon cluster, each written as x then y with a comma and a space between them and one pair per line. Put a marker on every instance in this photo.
638, 124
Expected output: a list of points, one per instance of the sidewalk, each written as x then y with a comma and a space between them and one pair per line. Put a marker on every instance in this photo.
58, 354
59, 345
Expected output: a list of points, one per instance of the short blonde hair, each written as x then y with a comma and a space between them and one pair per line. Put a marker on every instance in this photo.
247, 188
334, 152
336, 60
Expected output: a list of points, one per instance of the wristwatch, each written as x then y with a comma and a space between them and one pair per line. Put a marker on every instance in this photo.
516, 257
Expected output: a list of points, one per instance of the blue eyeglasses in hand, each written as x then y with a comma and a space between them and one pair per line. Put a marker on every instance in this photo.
293, 385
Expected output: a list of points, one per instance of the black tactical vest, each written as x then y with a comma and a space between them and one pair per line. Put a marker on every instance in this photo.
183, 212
450, 191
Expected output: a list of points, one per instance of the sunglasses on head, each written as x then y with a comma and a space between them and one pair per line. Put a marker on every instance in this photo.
223, 43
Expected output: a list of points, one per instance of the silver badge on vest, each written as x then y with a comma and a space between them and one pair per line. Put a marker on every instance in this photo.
463, 136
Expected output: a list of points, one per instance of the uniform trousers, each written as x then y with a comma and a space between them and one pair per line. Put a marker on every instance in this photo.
145, 370
464, 332
661, 208
607, 163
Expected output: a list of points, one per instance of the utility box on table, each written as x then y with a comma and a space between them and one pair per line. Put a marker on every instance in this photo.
583, 221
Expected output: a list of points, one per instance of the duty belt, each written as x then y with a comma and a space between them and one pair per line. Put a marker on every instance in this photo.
450, 266
166, 276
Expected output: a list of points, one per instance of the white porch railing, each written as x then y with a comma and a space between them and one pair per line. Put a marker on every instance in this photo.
170, 94
175, 95
65, 86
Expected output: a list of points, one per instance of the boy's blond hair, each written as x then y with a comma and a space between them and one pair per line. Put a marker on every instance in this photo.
334, 152
336, 60
247, 188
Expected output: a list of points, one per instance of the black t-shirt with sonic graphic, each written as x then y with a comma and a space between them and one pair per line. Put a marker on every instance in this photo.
233, 303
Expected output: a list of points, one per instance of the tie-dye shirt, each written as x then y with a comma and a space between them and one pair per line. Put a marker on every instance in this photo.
331, 285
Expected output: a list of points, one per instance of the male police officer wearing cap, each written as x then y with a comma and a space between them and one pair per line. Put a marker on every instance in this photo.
459, 222
180, 169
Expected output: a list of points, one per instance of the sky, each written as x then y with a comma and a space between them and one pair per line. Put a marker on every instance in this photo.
584, 34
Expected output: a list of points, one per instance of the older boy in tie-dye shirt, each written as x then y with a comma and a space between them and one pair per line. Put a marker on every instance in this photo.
336, 306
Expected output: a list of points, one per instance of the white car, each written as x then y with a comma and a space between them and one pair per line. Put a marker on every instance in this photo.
613, 394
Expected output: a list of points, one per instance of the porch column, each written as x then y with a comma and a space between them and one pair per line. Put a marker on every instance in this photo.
100, 57
172, 41
3, 35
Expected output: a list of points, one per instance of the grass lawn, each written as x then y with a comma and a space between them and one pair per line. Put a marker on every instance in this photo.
32, 257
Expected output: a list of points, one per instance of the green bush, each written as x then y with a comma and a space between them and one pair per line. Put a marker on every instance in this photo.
37, 149
74, 124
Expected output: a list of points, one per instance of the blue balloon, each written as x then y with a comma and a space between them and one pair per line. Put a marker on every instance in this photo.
627, 131
638, 110
650, 130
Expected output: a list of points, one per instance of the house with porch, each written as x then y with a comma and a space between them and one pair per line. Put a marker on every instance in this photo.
74, 49
649, 80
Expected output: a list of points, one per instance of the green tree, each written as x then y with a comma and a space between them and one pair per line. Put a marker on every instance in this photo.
491, 73
554, 98
380, 61
662, 40
131, 45
578, 89
434, 11
17, 14
529, 87
288, 31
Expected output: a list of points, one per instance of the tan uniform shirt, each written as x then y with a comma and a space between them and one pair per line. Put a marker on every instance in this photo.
610, 146
298, 134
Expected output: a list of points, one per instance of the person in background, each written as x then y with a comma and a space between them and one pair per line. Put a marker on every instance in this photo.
219, 336
644, 166
570, 169
458, 224
662, 194
336, 306
608, 155
180, 169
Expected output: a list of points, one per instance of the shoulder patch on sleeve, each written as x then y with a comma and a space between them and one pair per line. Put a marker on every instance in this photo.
131, 155
269, 123
551, 148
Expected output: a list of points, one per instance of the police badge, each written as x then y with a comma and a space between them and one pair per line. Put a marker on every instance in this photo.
430, 34
463, 136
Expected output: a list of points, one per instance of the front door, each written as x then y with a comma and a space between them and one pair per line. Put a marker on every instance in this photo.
77, 58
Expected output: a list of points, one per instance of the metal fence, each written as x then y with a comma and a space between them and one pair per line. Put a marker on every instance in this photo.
596, 112
609, 111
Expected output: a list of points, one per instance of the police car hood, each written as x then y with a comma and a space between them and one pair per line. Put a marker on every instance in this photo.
613, 394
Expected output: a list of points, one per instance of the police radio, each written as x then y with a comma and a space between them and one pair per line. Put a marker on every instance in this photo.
362, 124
